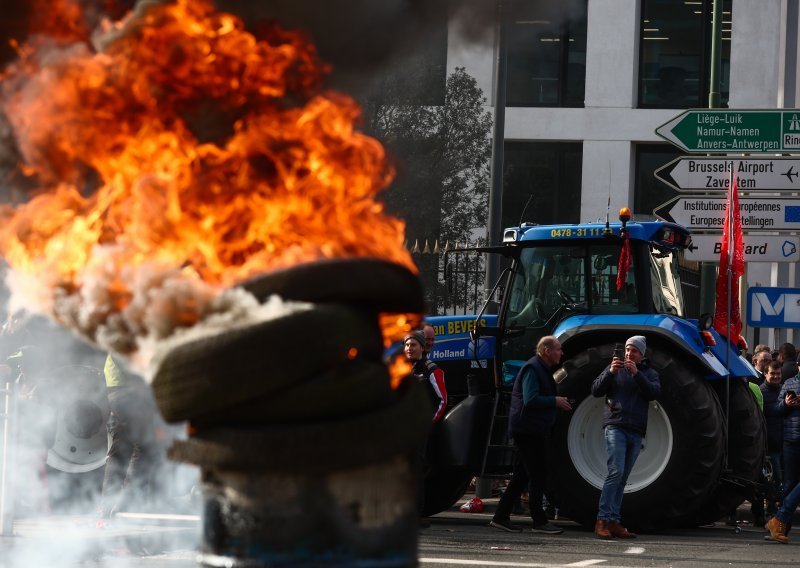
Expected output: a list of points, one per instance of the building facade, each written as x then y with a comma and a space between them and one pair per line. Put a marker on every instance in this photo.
589, 81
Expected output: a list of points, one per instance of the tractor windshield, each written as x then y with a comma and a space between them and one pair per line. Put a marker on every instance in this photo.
551, 282
549, 279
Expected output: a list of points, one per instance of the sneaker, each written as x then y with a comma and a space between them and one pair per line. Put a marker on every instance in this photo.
504, 526
547, 528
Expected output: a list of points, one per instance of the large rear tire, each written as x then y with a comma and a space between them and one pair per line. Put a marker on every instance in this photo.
681, 456
747, 435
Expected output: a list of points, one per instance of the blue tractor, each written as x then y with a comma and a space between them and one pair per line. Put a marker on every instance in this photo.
705, 444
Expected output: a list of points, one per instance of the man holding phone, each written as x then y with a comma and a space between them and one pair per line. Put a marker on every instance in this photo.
628, 384
789, 406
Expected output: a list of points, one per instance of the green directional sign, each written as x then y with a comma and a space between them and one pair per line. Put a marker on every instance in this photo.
711, 131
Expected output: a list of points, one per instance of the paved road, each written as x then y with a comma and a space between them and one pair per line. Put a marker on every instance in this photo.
453, 539
456, 541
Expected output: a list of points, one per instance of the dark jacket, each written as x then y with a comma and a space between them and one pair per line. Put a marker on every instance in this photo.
791, 415
788, 369
627, 398
533, 400
773, 416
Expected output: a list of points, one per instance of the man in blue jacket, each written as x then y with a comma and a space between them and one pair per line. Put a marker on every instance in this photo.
533, 412
628, 385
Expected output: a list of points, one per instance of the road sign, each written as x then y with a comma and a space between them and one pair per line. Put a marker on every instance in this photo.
711, 174
758, 214
757, 248
773, 307
734, 131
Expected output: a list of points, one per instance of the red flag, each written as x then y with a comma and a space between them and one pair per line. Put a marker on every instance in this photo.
624, 263
731, 255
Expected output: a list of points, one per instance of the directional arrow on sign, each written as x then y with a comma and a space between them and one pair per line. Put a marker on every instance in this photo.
688, 173
734, 131
758, 214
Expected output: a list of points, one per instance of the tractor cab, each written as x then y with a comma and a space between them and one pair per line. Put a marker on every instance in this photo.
561, 271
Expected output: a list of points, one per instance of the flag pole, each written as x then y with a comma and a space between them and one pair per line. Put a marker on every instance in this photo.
729, 275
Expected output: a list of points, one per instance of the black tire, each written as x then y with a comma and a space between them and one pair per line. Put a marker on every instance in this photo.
314, 447
369, 283
747, 438
200, 378
443, 488
681, 456
352, 388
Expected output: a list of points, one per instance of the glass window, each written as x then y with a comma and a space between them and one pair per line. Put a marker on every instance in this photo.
607, 297
649, 192
549, 279
547, 173
546, 279
546, 54
675, 53
666, 282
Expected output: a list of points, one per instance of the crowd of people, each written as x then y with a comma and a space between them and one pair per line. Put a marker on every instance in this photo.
778, 384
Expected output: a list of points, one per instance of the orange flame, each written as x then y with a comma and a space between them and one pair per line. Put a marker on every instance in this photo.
187, 150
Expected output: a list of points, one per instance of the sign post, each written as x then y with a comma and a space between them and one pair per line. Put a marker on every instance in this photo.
708, 131
758, 214
757, 248
693, 173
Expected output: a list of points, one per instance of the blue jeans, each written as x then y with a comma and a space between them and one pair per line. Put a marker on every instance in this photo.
791, 465
789, 504
623, 448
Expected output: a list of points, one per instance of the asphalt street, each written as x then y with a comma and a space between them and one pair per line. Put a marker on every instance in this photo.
453, 539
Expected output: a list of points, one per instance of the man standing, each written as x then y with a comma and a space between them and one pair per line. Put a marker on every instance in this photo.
773, 414
628, 385
533, 412
789, 404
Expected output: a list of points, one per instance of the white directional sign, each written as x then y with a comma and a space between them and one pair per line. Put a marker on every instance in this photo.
770, 214
752, 174
757, 248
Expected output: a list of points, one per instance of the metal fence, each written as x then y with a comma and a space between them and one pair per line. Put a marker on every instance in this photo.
466, 273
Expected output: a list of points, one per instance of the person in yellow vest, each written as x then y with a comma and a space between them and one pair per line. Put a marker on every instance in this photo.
134, 453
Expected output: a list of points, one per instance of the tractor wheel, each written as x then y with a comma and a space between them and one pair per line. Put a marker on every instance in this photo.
443, 488
747, 435
681, 455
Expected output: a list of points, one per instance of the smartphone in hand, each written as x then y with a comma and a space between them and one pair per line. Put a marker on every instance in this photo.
619, 351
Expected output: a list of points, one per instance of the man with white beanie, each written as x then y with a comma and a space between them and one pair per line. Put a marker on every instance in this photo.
628, 385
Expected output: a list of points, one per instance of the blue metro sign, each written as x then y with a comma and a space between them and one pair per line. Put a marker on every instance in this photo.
773, 307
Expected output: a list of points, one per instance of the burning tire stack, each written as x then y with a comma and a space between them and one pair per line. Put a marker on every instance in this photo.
303, 445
